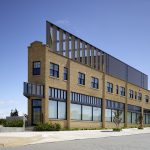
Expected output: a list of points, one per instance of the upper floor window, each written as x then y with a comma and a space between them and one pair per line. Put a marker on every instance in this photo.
135, 95
36, 67
146, 98
140, 96
94, 82
117, 89
109, 87
122, 91
81, 78
65, 73
54, 70
131, 94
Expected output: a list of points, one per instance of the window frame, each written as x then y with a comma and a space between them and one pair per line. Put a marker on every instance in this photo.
81, 78
53, 71
36, 70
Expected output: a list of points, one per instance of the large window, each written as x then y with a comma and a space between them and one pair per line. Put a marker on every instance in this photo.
81, 78
84, 107
75, 112
54, 70
96, 114
133, 113
94, 83
109, 87
86, 113
65, 73
108, 115
146, 116
57, 110
113, 107
122, 91
36, 68
57, 103
129, 117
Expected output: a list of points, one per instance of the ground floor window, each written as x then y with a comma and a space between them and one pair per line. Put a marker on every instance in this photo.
83, 112
146, 118
110, 114
133, 117
57, 109
86, 112
75, 111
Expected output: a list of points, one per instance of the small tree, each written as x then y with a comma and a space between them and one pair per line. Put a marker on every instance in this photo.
117, 119
140, 121
14, 113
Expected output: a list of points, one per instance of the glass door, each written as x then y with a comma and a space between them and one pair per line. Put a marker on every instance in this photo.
36, 111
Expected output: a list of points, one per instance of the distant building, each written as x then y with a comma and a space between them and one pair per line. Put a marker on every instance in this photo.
80, 86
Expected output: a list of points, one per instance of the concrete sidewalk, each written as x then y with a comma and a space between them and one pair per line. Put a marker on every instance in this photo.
24, 138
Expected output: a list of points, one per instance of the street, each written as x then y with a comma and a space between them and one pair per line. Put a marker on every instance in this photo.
132, 142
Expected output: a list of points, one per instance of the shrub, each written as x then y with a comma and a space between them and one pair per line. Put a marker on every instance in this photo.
47, 127
2, 121
13, 123
117, 129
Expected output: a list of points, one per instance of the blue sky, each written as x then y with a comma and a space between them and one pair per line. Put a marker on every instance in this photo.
119, 27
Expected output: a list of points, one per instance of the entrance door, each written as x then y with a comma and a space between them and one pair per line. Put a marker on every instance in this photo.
36, 111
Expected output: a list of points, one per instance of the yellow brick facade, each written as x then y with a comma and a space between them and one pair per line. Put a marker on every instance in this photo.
40, 52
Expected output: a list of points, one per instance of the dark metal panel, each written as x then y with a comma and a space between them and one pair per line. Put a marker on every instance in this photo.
116, 68
134, 76
145, 84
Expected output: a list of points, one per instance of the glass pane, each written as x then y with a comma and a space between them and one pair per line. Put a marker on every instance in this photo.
108, 115
129, 117
61, 110
87, 113
36, 102
36, 115
134, 118
96, 114
75, 112
52, 109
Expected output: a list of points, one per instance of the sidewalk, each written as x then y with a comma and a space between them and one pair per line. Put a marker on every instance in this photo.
24, 138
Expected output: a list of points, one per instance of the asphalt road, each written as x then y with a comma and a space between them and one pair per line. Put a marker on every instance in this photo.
134, 142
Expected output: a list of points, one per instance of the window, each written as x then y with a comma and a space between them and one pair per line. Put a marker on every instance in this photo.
75, 112
129, 117
108, 115
54, 70
57, 109
81, 78
57, 94
131, 94
52, 109
61, 110
86, 113
140, 96
65, 73
94, 82
135, 95
96, 114
134, 118
122, 91
117, 89
146, 98
109, 87
36, 68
